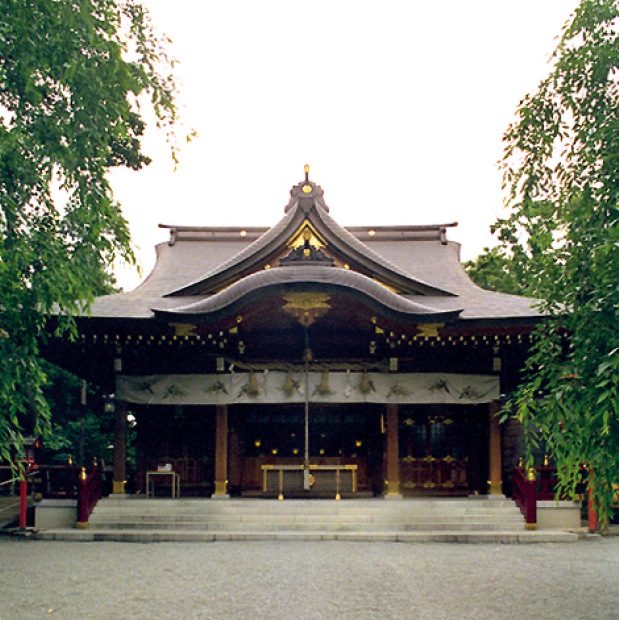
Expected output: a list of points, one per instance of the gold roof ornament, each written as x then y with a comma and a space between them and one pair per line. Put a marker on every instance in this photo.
306, 234
307, 188
306, 307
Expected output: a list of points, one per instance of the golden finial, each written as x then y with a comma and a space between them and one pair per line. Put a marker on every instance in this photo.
70, 459
546, 460
306, 169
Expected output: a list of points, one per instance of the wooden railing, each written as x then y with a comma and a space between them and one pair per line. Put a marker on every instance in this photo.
524, 491
535, 485
90, 492
57, 481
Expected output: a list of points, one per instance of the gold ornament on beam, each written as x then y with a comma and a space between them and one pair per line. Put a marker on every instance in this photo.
288, 384
323, 388
306, 307
429, 330
366, 386
184, 330
252, 388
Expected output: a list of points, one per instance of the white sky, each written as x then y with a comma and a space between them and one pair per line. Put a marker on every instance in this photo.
398, 106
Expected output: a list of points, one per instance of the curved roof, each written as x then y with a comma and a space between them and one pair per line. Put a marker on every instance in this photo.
307, 207
201, 269
308, 277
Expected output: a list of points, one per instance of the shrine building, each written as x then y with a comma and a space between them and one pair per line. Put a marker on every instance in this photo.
308, 359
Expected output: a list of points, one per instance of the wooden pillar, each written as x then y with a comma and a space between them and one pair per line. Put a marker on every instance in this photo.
221, 452
120, 448
235, 473
392, 490
495, 465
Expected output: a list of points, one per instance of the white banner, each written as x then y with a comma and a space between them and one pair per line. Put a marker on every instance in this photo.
323, 387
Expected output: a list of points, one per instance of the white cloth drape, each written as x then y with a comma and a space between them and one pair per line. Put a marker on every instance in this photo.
280, 387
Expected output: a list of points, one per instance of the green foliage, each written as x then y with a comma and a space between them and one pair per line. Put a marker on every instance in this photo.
84, 431
71, 75
80, 430
561, 167
496, 269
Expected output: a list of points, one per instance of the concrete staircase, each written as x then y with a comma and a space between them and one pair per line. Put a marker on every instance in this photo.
135, 519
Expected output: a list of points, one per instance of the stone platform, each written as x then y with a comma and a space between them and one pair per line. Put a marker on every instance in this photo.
465, 520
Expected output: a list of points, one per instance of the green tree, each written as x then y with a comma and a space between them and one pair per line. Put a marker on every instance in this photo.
72, 76
561, 167
495, 269
80, 427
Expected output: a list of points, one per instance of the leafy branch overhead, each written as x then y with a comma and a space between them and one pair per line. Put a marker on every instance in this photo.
72, 78
561, 170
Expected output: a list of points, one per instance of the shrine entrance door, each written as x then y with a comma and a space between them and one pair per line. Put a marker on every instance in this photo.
443, 450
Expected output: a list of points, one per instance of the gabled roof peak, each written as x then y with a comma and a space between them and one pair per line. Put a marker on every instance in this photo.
306, 194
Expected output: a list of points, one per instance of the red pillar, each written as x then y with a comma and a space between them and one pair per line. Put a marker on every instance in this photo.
23, 500
82, 502
593, 515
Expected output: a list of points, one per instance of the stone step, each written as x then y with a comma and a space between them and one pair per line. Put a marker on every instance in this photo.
309, 527
470, 520
489, 521
475, 520
284, 512
291, 508
278, 518
297, 516
150, 536
257, 505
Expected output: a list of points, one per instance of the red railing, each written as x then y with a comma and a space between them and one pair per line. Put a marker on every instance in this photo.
538, 484
546, 483
90, 492
57, 481
524, 492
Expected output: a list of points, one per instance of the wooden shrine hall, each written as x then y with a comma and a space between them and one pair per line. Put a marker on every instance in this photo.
307, 360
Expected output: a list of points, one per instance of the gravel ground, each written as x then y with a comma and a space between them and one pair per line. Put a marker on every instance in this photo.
308, 581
